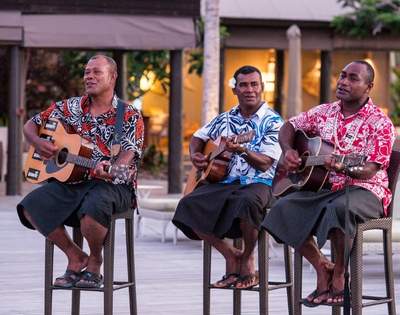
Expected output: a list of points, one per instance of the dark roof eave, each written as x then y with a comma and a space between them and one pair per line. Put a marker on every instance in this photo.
274, 22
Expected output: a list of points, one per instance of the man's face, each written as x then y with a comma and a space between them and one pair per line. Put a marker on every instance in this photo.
353, 84
248, 90
98, 77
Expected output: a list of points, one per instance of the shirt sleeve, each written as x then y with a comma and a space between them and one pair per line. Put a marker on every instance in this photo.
55, 110
213, 129
381, 143
133, 136
269, 145
308, 121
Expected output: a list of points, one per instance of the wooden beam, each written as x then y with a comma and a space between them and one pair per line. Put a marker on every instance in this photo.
122, 79
325, 81
175, 124
14, 151
221, 107
279, 76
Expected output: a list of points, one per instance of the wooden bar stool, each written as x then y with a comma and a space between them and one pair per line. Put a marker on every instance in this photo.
358, 300
263, 288
109, 284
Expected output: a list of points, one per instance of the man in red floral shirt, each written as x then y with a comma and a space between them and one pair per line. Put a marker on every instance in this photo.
90, 203
354, 124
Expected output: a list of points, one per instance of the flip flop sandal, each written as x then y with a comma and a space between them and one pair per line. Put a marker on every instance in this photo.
67, 280
90, 280
314, 295
336, 294
252, 278
224, 283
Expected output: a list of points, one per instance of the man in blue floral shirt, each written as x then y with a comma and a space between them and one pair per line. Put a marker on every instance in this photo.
235, 206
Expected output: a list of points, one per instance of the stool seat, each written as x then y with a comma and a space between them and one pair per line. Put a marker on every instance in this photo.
109, 285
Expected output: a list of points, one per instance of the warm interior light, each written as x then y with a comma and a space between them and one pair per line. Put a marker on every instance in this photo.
147, 80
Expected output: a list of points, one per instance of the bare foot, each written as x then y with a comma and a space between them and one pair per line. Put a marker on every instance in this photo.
94, 264
337, 288
232, 267
247, 265
324, 279
78, 262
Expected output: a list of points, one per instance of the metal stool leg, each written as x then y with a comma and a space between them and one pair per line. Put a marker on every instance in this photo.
237, 294
263, 267
48, 277
76, 294
298, 278
109, 269
289, 277
130, 252
389, 277
206, 277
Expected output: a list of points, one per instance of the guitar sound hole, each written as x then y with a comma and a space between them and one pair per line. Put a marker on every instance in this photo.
62, 156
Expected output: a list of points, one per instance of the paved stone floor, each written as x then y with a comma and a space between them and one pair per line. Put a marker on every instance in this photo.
169, 277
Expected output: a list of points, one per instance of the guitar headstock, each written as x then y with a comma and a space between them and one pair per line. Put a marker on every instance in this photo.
121, 172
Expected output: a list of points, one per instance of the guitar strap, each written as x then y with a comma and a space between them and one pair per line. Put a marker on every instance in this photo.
116, 143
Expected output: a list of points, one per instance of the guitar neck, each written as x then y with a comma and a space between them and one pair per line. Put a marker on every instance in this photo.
315, 160
80, 161
243, 138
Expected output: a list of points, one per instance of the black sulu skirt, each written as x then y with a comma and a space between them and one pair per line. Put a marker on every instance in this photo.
54, 203
296, 216
216, 209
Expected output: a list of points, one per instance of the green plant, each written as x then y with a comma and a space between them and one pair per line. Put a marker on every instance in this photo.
395, 94
150, 65
368, 17
153, 160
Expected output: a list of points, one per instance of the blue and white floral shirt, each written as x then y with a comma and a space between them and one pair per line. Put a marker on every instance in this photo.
266, 124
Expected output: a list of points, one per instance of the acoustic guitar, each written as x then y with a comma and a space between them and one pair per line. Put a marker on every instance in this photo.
218, 161
312, 174
72, 160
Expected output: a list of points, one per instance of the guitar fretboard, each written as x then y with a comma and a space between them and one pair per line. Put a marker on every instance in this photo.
315, 160
246, 137
80, 160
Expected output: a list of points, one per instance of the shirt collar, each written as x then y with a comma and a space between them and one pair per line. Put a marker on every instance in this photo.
364, 111
85, 102
259, 113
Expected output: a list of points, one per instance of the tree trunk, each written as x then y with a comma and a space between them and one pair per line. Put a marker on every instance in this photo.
211, 61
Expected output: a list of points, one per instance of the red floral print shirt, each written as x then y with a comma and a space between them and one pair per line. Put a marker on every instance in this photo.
99, 130
368, 132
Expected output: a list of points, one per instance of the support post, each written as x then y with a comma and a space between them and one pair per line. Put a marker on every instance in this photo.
325, 82
14, 150
175, 124
122, 79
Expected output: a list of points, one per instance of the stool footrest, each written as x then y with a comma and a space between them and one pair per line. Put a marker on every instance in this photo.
117, 285
272, 285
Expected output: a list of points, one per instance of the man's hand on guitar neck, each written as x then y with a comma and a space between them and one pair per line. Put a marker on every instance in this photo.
332, 164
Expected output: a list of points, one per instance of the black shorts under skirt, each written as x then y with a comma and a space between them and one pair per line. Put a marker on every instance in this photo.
54, 204
296, 216
217, 209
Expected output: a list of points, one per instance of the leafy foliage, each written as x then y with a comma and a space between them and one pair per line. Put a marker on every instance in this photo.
52, 76
152, 65
153, 160
368, 17
395, 94
196, 56
55, 75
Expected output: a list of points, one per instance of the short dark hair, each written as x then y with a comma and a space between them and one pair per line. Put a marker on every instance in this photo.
246, 70
111, 62
370, 70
